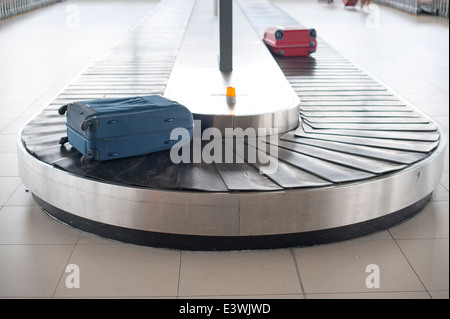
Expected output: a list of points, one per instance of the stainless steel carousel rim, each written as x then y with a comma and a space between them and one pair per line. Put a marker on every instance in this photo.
232, 213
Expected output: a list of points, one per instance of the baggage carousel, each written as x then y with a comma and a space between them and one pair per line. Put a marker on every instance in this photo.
352, 157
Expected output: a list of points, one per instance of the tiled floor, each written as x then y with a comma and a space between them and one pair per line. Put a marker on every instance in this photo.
40, 54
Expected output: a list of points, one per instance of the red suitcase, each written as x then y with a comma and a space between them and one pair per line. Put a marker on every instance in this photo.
290, 41
350, 3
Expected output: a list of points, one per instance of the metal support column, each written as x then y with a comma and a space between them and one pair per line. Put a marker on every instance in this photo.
226, 35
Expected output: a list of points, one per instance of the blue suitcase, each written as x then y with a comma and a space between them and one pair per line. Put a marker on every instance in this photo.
108, 129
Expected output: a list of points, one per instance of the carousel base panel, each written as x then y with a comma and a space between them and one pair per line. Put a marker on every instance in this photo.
192, 242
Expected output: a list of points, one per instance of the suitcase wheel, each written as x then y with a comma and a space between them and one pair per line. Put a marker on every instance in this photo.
312, 44
281, 52
312, 50
313, 33
279, 34
86, 159
63, 140
62, 110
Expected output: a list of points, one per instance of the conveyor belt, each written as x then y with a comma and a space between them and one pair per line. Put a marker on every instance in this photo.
353, 127
361, 160
344, 109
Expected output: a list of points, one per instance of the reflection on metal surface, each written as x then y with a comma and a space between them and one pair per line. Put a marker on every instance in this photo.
264, 99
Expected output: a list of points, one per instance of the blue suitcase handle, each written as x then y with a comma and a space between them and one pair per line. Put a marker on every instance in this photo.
92, 124
86, 125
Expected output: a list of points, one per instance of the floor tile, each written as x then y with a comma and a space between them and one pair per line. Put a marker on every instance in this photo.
12, 112
341, 267
18, 100
91, 239
33, 271
8, 186
4, 122
384, 234
238, 273
8, 143
440, 81
429, 258
29, 225
431, 222
21, 197
12, 127
375, 295
9, 165
443, 121
423, 100
445, 181
123, 271
440, 194
439, 294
